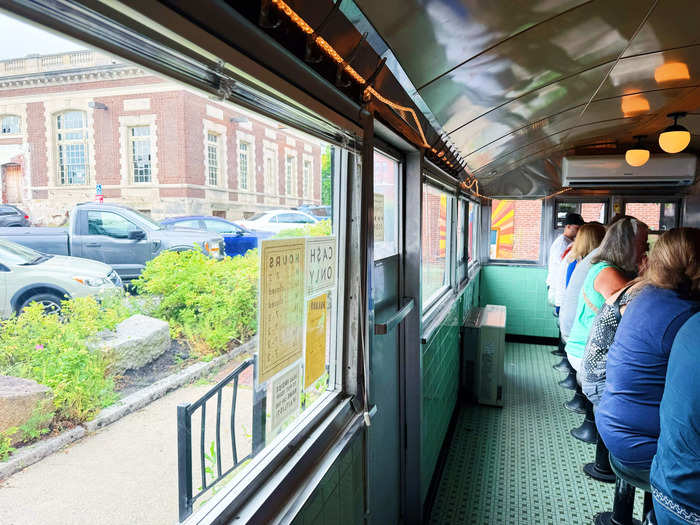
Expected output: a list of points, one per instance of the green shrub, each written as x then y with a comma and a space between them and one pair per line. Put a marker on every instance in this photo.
316, 229
52, 350
211, 303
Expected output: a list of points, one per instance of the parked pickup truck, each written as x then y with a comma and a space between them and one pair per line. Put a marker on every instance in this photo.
116, 235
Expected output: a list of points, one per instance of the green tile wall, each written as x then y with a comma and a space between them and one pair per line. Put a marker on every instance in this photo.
440, 364
522, 290
338, 498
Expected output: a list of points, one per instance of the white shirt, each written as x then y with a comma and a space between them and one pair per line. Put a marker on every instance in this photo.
553, 268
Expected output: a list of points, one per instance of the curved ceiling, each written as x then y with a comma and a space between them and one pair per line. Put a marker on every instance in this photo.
517, 83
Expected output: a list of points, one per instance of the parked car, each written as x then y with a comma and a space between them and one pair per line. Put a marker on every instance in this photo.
237, 239
27, 276
322, 212
278, 220
116, 235
13, 216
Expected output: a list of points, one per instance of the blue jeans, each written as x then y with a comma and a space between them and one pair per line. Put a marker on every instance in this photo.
639, 477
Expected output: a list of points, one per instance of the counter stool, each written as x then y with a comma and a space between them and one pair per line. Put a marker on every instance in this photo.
600, 469
587, 432
577, 404
623, 508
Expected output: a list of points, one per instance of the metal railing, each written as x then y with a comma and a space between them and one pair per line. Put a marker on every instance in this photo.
186, 496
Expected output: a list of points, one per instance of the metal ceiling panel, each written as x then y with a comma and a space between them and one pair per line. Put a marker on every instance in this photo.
431, 37
672, 24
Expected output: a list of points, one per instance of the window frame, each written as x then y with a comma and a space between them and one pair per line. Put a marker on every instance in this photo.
58, 142
580, 200
243, 152
307, 177
216, 146
540, 261
290, 173
678, 201
433, 305
132, 140
10, 133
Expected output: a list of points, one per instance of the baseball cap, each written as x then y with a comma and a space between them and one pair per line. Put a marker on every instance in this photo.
573, 218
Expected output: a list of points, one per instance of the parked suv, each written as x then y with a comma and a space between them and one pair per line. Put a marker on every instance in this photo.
13, 216
27, 276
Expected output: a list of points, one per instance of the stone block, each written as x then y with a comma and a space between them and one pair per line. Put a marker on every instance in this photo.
136, 342
19, 400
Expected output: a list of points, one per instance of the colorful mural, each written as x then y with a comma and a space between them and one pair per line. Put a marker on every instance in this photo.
502, 227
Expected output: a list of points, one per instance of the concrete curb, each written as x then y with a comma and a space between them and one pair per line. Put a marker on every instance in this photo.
34, 453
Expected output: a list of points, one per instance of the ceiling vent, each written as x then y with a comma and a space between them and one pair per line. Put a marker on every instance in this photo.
611, 171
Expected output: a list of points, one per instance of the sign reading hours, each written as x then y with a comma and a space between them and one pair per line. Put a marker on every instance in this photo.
281, 328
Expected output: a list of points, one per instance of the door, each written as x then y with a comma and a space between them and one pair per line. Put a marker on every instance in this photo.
384, 432
107, 240
12, 193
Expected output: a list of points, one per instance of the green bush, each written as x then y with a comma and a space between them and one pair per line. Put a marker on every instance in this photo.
212, 303
317, 229
52, 350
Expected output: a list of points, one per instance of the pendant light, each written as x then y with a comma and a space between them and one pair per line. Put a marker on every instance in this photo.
637, 156
674, 138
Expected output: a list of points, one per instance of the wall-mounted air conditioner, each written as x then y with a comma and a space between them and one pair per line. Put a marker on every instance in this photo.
611, 171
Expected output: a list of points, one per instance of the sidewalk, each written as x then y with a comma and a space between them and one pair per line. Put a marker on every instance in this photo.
125, 473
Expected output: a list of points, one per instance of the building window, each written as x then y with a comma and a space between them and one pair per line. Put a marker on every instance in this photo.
213, 158
307, 178
436, 222
243, 150
71, 145
515, 230
9, 125
590, 211
140, 153
291, 169
270, 172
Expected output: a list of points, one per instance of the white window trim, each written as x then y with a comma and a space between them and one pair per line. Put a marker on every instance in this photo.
270, 149
15, 110
126, 122
308, 192
250, 140
21, 127
220, 130
295, 172
52, 108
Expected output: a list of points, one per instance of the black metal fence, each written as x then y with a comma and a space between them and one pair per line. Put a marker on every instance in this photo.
186, 495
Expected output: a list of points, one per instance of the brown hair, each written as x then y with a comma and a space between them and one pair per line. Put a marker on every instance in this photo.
674, 262
588, 238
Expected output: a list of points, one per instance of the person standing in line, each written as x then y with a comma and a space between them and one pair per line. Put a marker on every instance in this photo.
572, 222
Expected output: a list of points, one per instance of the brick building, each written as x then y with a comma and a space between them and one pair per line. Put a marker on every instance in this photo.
73, 120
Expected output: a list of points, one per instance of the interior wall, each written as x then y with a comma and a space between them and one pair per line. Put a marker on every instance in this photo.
523, 292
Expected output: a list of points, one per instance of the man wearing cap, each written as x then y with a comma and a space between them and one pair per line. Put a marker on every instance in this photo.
571, 225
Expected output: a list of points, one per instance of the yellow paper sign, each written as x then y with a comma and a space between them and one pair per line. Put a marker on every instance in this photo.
281, 305
316, 321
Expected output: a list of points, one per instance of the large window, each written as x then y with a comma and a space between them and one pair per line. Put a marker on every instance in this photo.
140, 153
590, 211
515, 230
386, 189
308, 166
243, 165
9, 125
435, 240
71, 146
213, 159
270, 172
290, 175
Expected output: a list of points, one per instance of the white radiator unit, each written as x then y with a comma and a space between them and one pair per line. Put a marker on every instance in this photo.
611, 171
483, 354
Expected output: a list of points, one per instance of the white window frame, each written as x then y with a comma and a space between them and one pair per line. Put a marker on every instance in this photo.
290, 189
11, 133
270, 157
249, 139
126, 165
307, 184
213, 160
244, 154
67, 142
52, 108
139, 139
212, 128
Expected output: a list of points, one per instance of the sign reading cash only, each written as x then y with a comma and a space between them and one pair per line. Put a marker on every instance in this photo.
320, 264
281, 327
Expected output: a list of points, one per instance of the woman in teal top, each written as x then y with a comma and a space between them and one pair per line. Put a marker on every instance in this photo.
618, 259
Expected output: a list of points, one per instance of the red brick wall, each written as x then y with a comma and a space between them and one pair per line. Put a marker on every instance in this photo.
591, 211
36, 136
647, 212
528, 225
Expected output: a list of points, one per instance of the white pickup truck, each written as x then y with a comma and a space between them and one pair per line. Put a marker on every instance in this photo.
28, 276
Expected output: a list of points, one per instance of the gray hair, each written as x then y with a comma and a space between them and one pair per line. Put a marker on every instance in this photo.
619, 246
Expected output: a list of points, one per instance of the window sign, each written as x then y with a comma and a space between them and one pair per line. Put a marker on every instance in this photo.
378, 217
281, 305
286, 398
316, 329
320, 264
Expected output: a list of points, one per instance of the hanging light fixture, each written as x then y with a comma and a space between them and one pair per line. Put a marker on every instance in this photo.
674, 138
637, 156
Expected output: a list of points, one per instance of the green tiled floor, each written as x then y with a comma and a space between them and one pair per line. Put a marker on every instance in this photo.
519, 464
